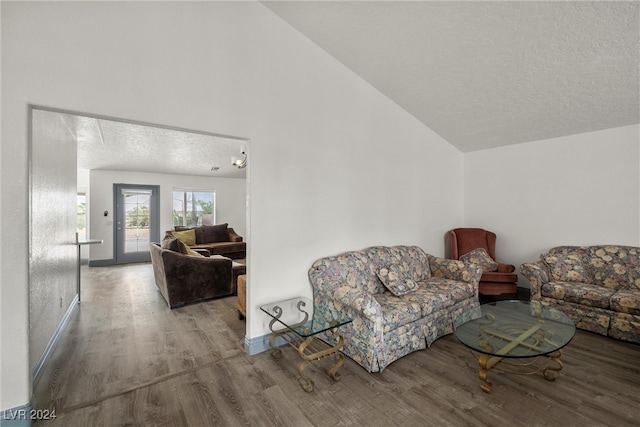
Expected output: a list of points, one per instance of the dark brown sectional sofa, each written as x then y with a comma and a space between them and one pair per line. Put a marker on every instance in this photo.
219, 239
183, 278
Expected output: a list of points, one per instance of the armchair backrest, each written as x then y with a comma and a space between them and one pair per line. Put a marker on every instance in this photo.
464, 240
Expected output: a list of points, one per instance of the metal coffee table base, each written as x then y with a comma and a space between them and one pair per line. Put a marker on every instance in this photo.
549, 365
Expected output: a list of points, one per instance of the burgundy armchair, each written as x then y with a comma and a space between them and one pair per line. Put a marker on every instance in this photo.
501, 281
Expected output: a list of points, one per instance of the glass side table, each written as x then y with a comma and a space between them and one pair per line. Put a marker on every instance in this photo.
294, 321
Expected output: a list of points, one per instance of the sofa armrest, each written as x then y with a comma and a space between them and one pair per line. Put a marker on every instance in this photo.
455, 270
537, 275
204, 252
233, 236
354, 299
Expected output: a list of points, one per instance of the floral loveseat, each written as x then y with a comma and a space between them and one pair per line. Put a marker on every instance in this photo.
597, 286
432, 292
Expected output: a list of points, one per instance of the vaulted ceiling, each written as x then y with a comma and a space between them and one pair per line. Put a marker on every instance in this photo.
488, 74
481, 74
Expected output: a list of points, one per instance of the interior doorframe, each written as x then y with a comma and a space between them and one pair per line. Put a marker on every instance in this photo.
248, 187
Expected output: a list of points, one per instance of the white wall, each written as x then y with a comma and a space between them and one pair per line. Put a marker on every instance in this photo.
576, 190
230, 200
53, 258
333, 165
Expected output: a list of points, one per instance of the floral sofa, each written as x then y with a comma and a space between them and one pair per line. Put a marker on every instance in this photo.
597, 286
427, 294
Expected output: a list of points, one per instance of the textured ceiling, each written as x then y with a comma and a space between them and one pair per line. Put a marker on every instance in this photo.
117, 145
488, 74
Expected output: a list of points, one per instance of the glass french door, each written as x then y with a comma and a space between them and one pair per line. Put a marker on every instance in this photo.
137, 221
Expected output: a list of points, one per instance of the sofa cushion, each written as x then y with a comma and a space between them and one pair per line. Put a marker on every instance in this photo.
437, 293
373, 259
616, 267
481, 257
182, 247
496, 277
396, 312
626, 301
412, 259
187, 236
578, 293
171, 243
215, 233
566, 268
397, 280
223, 248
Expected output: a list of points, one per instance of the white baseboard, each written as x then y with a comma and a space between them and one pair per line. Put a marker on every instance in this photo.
53, 342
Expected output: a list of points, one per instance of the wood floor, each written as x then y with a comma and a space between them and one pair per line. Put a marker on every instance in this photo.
127, 360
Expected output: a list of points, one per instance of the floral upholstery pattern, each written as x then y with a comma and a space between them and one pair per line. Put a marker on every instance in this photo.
481, 257
580, 293
398, 281
386, 327
566, 268
597, 286
626, 302
615, 266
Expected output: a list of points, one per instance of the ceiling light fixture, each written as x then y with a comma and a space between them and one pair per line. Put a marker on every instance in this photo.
240, 163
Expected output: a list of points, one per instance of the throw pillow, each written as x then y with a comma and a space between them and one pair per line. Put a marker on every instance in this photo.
566, 268
191, 252
187, 236
482, 258
170, 242
184, 249
397, 281
215, 233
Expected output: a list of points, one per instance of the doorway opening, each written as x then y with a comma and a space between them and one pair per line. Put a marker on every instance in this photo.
137, 221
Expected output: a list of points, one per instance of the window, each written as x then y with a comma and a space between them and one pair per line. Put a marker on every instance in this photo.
192, 208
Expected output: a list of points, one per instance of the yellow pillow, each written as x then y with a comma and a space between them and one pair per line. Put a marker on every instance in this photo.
187, 236
191, 252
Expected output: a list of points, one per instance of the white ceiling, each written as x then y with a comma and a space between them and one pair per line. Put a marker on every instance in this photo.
480, 74
117, 145
488, 74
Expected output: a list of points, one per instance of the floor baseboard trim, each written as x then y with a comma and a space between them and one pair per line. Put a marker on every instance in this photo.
101, 262
260, 344
53, 342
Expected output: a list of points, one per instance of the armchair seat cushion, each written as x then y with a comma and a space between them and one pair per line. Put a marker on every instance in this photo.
579, 293
497, 277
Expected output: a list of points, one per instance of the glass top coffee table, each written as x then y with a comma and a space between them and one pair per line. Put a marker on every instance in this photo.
527, 334
295, 322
